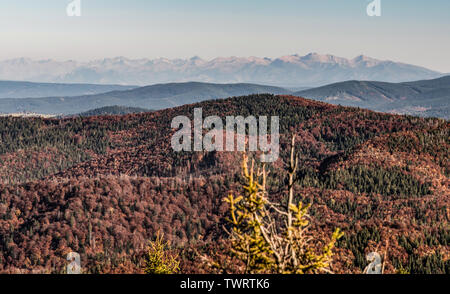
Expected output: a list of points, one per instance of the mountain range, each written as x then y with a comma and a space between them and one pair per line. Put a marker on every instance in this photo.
311, 70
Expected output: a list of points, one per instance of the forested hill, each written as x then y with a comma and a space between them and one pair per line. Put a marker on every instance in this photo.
114, 110
104, 185
423, 98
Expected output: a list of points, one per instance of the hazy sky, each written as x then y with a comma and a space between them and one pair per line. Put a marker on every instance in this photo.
411, 31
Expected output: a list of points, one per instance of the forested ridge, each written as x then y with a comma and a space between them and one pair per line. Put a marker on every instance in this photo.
104, 185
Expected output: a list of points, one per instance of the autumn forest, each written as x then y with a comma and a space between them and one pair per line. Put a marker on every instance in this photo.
104, 186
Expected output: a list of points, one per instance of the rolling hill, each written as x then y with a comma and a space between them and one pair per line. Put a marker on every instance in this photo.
424, 98
14, 89
150, 97
104, 185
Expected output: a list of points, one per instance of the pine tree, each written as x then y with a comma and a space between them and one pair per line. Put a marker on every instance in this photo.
272, 238
159, 260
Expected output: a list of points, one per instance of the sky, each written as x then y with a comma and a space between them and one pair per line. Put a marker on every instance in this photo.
410, 31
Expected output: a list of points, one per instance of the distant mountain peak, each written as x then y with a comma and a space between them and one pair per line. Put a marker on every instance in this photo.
290, 58
316, 57
367, 61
